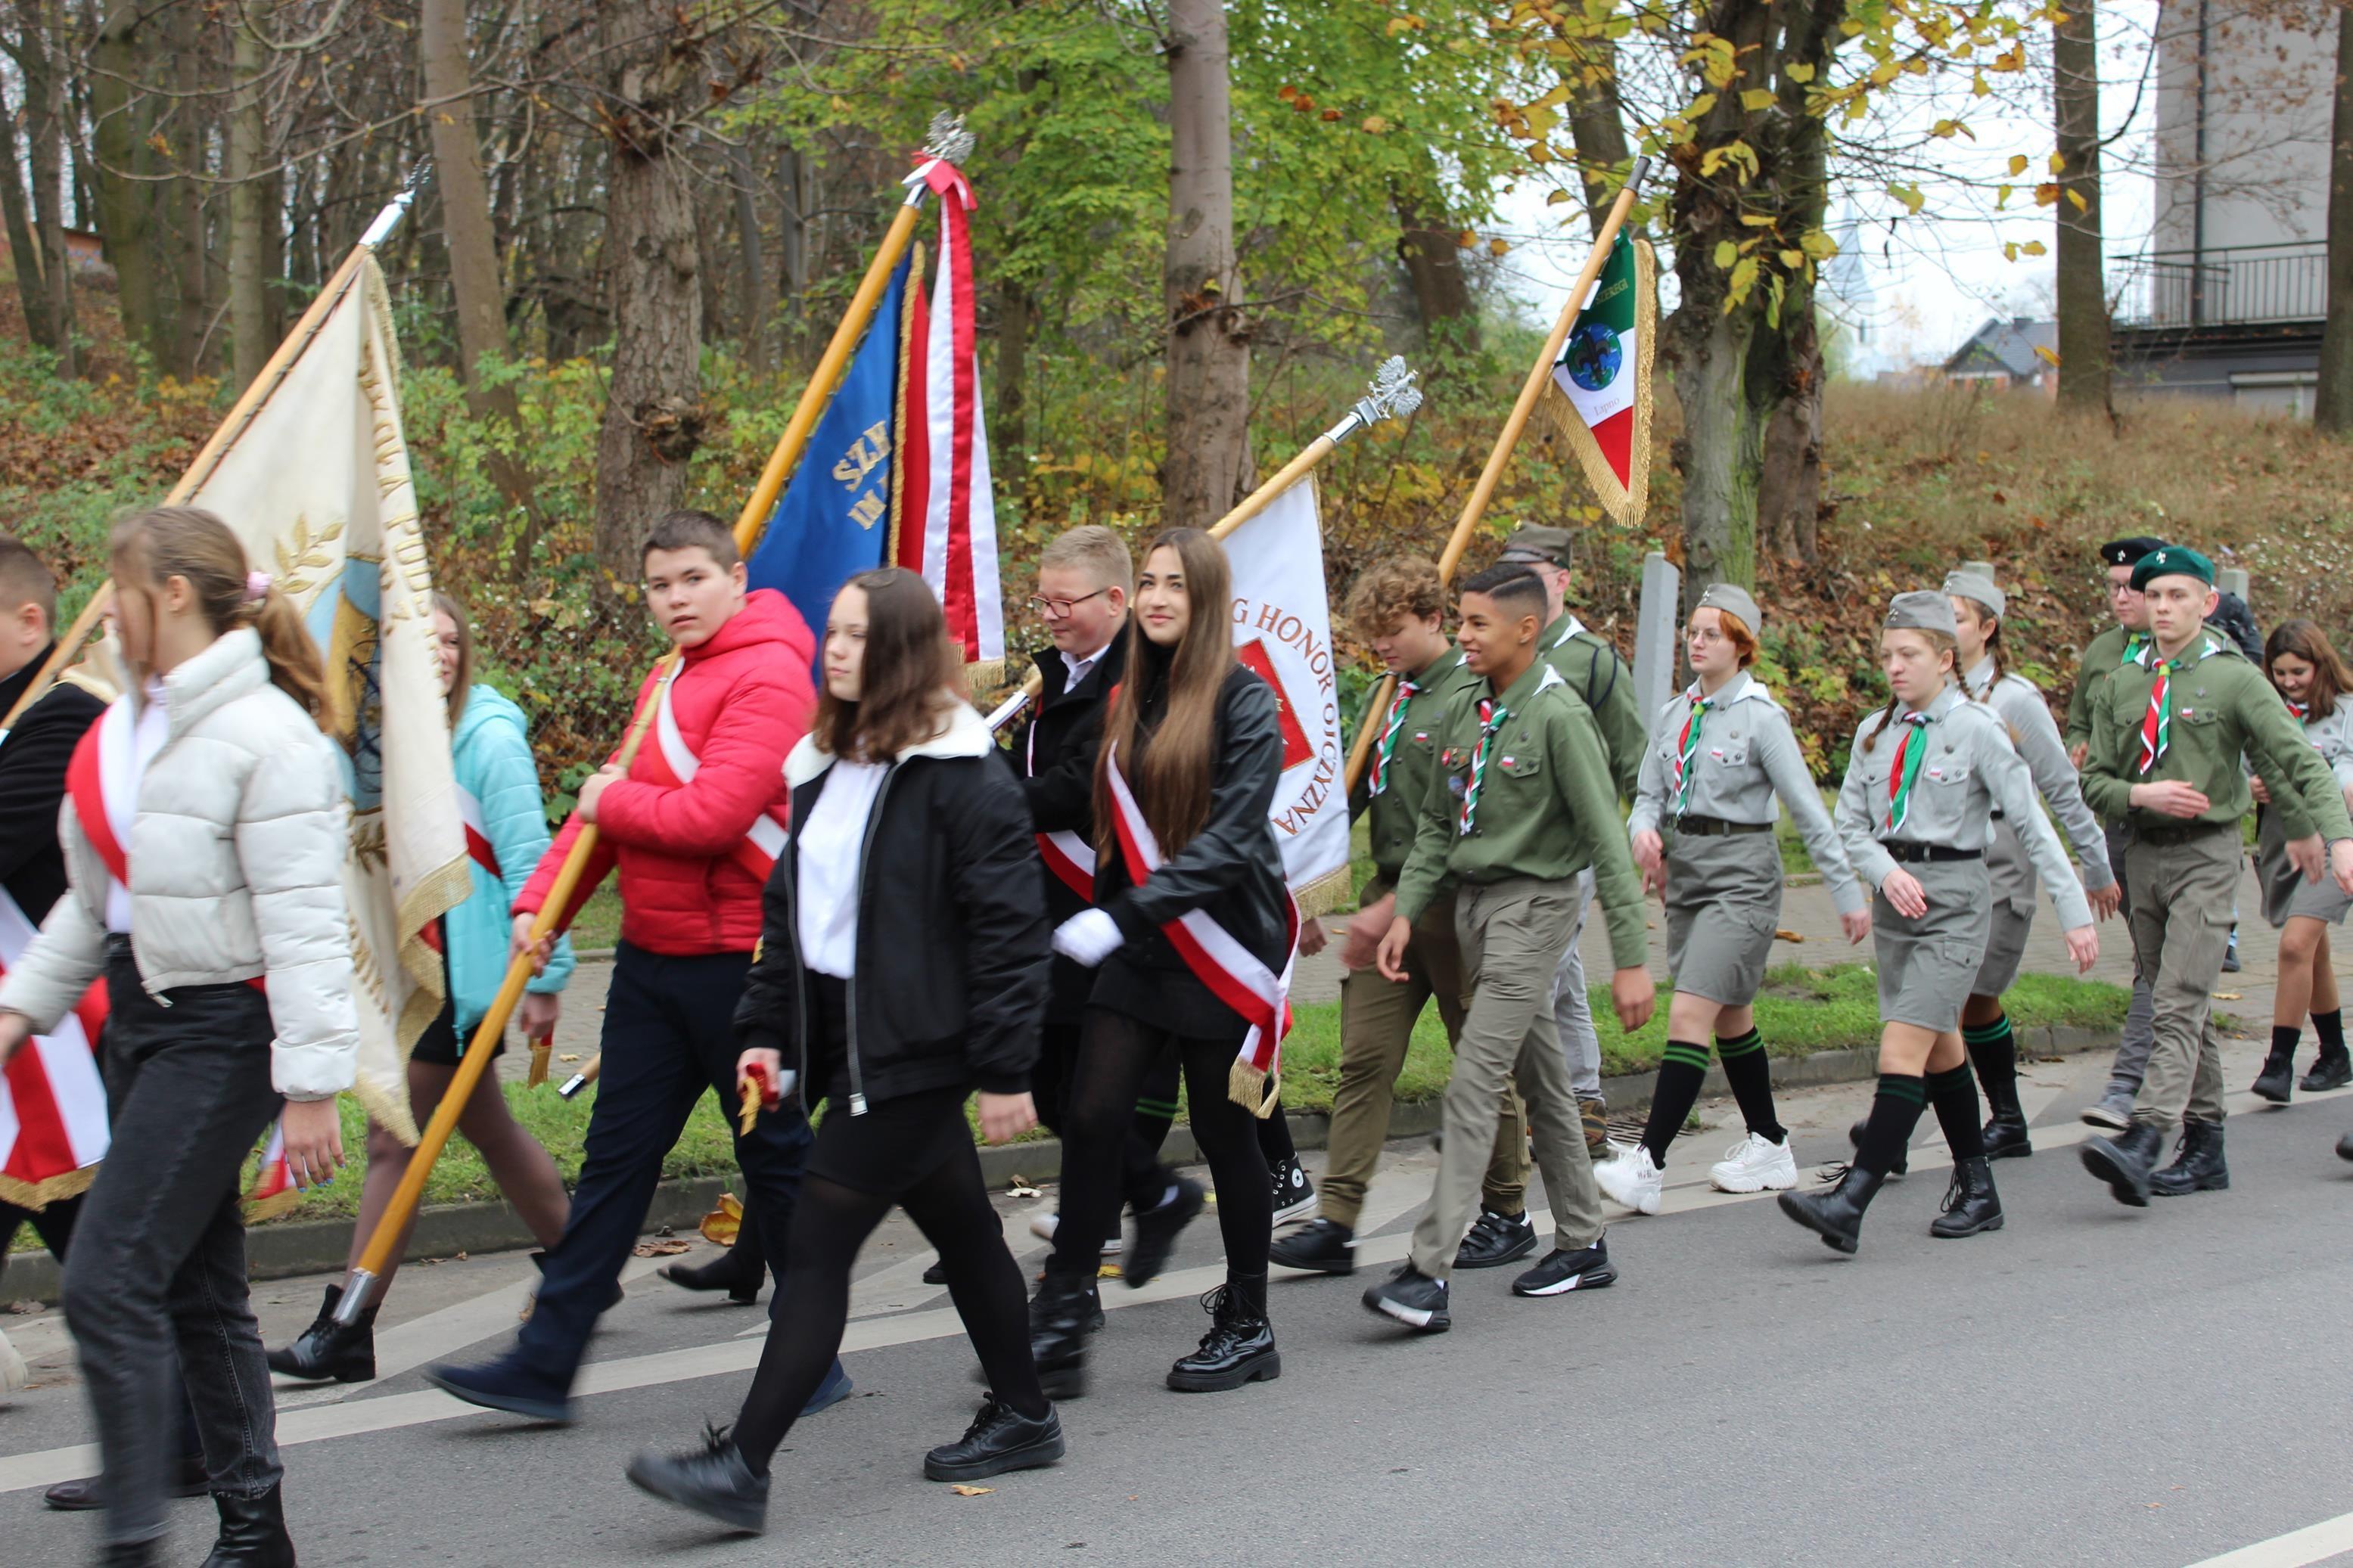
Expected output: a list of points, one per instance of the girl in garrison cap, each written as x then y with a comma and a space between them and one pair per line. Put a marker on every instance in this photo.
1922, 778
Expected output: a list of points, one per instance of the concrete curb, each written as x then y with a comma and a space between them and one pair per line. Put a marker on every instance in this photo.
319, 1247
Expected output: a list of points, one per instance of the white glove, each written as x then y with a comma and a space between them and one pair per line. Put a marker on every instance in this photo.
1088, 939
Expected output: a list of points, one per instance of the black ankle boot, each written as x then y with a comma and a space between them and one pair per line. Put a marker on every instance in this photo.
1903, 1156
2126, 1161
328, 1350
1836, 1215
1064, 1313
2198, 1167
2006, 1136
714, 1481
2333, 1070
2276, 1081
740, 1271
1970, 1203
1238, 1347
252, 1533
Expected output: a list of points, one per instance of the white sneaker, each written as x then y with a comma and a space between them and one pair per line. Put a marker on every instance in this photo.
1632, 1180
13, 1376
1756, 1165
1043, 1225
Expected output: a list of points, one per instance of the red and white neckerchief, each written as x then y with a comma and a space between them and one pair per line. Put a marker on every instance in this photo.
1070, 858
1232, 973
671, 763
1687, 747
2156, 724
53, 1126
1392, 725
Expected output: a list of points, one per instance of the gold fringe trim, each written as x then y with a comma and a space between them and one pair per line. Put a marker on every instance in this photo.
257, 1210
436, 894
899, 406
1328, 892
38, 1196
1625, 502
985, 675
1259, 1093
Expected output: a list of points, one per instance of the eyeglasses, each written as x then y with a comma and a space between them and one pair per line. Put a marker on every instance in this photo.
1060, 609
2123, 590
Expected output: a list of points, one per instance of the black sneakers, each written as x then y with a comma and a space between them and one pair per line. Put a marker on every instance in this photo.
1413, 1299
1000, 1438
1558, 1272
714, 1482
1320, 1246
1294, 1194
1496, 1239
1157, 1230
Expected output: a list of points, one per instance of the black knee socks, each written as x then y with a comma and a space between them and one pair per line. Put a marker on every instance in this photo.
1751, 1078
2284, 1041
1895, 1111
1680, 1071
1994, 1051
2330, 1028
1954, 1093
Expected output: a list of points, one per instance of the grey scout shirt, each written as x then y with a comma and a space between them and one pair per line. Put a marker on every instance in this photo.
2035, 736
1746, 755
1970, 771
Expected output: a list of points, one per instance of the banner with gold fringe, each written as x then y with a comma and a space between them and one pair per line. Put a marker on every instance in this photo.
1600, 395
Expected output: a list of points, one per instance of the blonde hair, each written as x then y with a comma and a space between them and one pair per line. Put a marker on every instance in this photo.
462, 681
150, 548
1938, 642
1098, 551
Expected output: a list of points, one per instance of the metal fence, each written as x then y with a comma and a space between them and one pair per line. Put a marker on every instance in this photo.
2229, 286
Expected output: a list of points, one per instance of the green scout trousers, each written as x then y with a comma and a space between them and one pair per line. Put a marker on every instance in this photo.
2182, 883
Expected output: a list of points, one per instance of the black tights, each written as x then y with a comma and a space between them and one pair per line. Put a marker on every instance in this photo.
830, 1223
1117, 1053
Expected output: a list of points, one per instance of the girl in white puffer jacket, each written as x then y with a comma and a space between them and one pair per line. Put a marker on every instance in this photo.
204, 832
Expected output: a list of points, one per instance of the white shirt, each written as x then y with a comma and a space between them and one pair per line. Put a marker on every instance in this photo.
829, 844
152, 729
1075, 669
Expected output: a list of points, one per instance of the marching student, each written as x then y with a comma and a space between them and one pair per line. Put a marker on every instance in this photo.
1702, 825
1192, 923
1519, 803
1603, 682
2313, 682
1924, 773
506, 833
1978, 609
1398, 607
205, 844
2108, 652
2169, 732
695, 825
902, 965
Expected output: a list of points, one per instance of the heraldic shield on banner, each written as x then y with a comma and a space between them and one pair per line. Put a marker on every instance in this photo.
318, 488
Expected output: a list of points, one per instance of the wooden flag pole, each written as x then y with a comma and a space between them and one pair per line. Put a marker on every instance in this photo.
1490, 476
950, 143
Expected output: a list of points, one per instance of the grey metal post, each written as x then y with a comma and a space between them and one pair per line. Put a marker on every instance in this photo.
2234, 580
1656, 645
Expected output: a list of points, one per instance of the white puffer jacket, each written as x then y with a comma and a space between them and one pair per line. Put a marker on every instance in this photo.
237, 864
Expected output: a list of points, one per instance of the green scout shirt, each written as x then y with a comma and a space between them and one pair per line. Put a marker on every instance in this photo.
1546, 809
1396, 810
2105, 656
1601, 680
2223, 707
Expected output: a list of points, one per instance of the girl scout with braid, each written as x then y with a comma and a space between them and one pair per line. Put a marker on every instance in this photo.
1703, 826
1922, 778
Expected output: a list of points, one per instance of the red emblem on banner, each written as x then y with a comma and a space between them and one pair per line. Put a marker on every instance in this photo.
1295, 747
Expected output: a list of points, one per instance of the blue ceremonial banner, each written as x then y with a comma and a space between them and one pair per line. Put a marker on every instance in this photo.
833, 520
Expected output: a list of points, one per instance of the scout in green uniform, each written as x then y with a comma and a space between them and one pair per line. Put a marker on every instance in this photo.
1519, 804
2107, 653
1603, 680
1398, 608
2167, 734
1923, 779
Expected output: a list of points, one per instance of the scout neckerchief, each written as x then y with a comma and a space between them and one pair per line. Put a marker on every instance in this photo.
1687, 747
2156, 724
1392, 725
1493, 716
2303, 711
1905, 772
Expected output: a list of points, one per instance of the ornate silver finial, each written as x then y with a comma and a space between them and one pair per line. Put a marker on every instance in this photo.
947, 139
1393, 396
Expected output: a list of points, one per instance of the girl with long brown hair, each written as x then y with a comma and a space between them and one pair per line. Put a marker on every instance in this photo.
2312, 679
1190, 895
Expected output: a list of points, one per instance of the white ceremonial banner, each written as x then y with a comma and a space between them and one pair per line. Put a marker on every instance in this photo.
1283, 630
318, 486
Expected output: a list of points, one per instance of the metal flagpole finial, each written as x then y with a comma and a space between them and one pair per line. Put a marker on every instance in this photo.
947, 139
398, 209
1393, 396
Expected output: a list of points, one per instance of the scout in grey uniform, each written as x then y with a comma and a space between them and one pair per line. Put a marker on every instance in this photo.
1924, 773
2313, 682
1703, 816
1978, 608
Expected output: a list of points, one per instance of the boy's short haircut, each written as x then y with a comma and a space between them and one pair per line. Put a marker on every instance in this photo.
1392, 591
1096, 551
1515, 588
693, 530
25, 579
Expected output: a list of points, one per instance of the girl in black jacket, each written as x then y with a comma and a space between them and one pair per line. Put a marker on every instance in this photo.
902, 965
1191, 751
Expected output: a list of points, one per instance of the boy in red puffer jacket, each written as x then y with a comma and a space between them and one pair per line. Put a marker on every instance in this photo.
694, 824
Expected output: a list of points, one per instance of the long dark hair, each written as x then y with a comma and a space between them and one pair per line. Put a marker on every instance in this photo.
2307, 641
148, 548
907, 683
1172, 778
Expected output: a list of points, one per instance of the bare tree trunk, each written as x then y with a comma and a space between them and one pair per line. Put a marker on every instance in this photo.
1008, 408
187, 197
1208, 463
1432, 254
2333, 410
119, 124
1789, 476
2081, 290
654, 417
23, 254
1598, 125
248, 305
40, 60
756, 298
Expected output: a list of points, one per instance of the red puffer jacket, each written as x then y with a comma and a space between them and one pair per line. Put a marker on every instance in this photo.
743, 701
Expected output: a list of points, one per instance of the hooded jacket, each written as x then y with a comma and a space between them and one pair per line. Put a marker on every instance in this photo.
491, 754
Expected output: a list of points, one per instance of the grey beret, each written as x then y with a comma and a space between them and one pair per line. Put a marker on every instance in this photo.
1969, 586
1922, 611
1733, 600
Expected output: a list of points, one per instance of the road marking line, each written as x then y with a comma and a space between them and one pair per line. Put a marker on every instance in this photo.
2313, 1544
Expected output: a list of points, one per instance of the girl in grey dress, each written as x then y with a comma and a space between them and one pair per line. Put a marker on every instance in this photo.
1701, 831
2318, 689
1922, 779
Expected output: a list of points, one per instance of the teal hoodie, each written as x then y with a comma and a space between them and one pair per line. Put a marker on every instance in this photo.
491, 750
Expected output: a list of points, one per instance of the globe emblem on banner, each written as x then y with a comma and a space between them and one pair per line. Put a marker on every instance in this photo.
1593, 356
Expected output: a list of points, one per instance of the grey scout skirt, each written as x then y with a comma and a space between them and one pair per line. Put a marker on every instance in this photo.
1928, 966
2286, 893
2012, 886
1724, 903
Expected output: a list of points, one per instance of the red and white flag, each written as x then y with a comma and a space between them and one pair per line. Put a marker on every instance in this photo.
52, 1102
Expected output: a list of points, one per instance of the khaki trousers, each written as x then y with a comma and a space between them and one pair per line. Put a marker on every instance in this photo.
2181, 891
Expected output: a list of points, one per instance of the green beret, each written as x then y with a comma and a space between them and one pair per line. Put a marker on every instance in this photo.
2172, 560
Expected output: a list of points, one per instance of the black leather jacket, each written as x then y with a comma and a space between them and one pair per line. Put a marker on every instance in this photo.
1056, 763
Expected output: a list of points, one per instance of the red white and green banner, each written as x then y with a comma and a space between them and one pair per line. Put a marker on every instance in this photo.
1602, 383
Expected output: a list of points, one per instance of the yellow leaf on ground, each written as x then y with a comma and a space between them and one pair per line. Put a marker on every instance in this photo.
972, 1492
1786, 934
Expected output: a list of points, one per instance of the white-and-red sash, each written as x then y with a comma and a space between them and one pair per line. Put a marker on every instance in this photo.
1070, 858
1232, 973
671, 762
52, 1100
478, 847
104, 757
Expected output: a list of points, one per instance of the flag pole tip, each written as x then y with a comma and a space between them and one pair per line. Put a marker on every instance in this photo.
947, 139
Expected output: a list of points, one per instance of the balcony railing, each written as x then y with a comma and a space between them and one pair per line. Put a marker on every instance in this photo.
2247, 285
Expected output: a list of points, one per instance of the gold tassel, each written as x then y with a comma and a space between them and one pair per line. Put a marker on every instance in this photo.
256, 1210
1326, 894
540, 1050
1256, 1092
